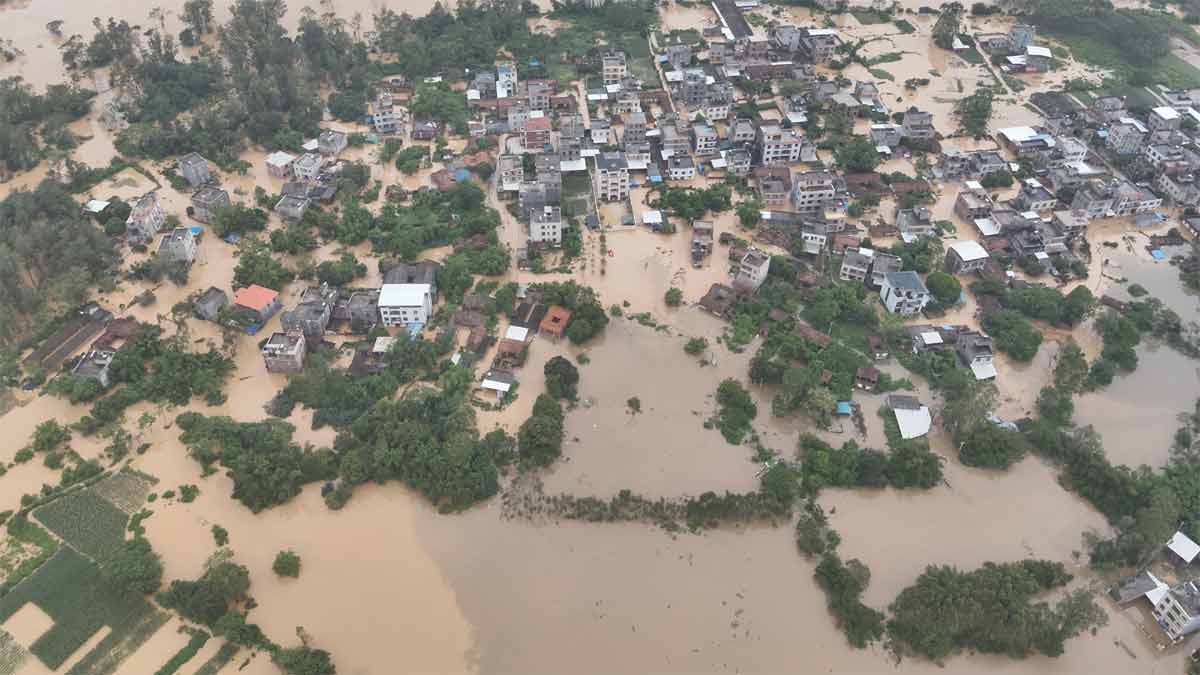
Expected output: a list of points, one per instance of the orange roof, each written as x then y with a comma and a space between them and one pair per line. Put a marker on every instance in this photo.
537, 124
555, 320
254, 296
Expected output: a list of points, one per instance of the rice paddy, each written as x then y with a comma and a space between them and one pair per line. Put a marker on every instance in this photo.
126, 489
12, 655
87, 522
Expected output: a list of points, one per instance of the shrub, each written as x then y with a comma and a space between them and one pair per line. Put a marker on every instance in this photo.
287, 564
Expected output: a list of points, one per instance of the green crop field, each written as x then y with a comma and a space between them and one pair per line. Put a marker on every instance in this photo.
12, 655
86, 521
126, 489
73, 592
219, 660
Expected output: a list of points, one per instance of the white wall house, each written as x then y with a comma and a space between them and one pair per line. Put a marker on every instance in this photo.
904, 293
405, 304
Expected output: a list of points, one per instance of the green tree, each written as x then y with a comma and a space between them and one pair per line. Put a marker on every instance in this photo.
287, 564
749, 214
304, 660
220, 535
857, 155
944, 287
256, 265
695, 346
1071, 369
989, 446
135, 567
539, 439
1013, 334
674, 297
561, 378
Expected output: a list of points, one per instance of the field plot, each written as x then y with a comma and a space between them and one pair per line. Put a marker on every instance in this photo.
71, 590
219, 660
12, 654
86, 521
126, 489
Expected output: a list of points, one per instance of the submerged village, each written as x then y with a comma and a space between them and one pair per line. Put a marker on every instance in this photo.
731, 336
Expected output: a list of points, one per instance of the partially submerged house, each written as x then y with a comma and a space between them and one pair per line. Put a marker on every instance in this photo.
913, 419
207, 202
210, 303
554, 324
284, 352
178, 246
257, 302
145, 219
194, 169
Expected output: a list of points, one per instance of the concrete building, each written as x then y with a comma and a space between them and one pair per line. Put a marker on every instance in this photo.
535, 134
1164, 118
973, 204
145, 219
613, 68
1126, 137
546, 226
207, 202
856, 264
257, 302
612, 177
634, 128
753, 268
178, 246
811, 190
312, 314
511, 171
383, 116
307, 167
705, 140
965, 257
284, 352
405, 304
976, 351
681, 167
332, 142
291, 209
914, 223
777, 145
1034, 197
904, 293
194, 169
918, 125
1072, 224
279, 164
1178, 611
882, 265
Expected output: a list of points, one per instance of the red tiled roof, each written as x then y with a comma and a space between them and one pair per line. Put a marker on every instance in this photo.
537, 124
254, 296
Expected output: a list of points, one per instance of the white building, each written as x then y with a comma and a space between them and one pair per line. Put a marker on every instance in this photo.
754, 268
308, 167
612, 177
811, 190
1178, 611
405, 304
778, 145
279, 164
904, 293
546, 226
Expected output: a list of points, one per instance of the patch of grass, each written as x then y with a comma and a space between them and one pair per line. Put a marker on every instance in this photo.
1084, 97
970, 55
1014, 83
71, 590
198, 640
905, 27
1169, 70
219, 660
127, 489
868, 17
25, 532
881, 74
86, 521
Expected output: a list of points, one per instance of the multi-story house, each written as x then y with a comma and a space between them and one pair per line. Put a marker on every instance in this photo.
704, 138
613, 67
787, 37
973, 204
774, 186
405, 304
965, 257
976, 351
207, 202
1178, 611
1183, 189
753, 269
612, 177
383, 116
678, 55
914, 223
279, 164
741, 130
634, 128
681, 166
145, 219
194, 169
777, 145
1126, 136
1072, 224
856, 264
820, 44
307, 167
811, 190
538, 95
511, 169
918, 125
284, 352
536, 133
882, 265
904, 293
886, 135
177, 246
332, 142
506, 80
1034, 197
546, 226
1164, 118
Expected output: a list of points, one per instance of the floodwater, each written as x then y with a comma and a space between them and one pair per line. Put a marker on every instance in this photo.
1138, 429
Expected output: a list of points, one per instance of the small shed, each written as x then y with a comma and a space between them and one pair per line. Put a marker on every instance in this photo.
1183, 546
913, 418
497, 381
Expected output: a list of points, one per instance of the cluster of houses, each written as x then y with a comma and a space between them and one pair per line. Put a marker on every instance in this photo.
1175, 607
309, 177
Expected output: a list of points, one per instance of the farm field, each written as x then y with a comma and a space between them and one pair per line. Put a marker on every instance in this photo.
72, 591
87, 522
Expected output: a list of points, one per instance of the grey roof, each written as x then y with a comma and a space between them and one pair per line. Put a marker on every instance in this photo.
423, 272
611, 161
902, 402
906, 281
